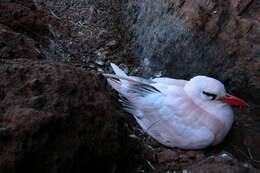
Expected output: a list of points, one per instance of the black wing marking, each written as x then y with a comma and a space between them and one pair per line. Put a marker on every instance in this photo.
135, 85
142, 89
129, 106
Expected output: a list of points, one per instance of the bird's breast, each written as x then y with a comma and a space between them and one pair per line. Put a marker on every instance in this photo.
195, 117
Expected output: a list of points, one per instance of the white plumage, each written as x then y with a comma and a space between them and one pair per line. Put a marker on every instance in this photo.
177, 113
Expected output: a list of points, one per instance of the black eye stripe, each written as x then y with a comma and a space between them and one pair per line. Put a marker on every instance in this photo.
213, 96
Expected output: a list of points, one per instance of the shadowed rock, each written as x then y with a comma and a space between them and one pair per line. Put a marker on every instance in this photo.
58, 118
29, 31
221, 163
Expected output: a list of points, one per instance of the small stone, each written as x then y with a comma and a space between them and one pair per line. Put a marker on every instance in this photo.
99, 62
91, 66
158, 74
112, 44
100, 70
185, 171
80, 33
246, 165
166, 156
133, 136
226, 156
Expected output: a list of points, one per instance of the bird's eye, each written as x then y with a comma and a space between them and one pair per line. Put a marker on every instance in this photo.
212, 96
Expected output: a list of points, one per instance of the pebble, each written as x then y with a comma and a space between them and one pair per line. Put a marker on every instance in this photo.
99, 62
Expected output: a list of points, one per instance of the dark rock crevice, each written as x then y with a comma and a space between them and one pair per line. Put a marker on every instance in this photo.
60, 130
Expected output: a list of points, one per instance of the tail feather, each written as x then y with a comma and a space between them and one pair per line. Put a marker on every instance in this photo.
127, 85
117, 70
130, 89
116, 84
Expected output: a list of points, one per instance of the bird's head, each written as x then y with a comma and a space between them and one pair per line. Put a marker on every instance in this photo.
206, 89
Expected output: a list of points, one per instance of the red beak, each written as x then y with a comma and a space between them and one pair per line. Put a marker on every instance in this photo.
233, 100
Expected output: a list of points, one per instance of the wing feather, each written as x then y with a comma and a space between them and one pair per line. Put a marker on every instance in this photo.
170, 81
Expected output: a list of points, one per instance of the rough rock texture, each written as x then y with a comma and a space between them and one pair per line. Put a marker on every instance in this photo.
60, 118
158, 159
97, 36
26, 18
16, 45
220, 163
57, 118
211, 37
27, 31
54, 117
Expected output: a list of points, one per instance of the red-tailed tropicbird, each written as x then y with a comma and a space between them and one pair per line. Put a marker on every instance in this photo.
190, 114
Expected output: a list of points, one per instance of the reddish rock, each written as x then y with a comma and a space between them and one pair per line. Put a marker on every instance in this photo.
33, 21
220, 163
26, 19
28, 31
58, 118
210, 37
167, 155
16, 45
239, 6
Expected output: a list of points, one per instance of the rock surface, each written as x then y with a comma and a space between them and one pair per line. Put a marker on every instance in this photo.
57, 118
62, 118
212, 37
54, 117
96, 36
220, 163
27, 31
16, 45
25, 18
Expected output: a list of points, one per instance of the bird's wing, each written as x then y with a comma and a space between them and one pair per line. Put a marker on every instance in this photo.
127, 84
170, 81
